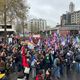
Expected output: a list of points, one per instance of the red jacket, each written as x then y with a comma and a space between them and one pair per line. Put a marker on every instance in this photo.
24, 58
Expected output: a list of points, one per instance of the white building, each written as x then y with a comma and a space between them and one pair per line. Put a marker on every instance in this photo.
37, 25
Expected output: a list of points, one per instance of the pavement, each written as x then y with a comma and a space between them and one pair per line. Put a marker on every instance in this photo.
72, 75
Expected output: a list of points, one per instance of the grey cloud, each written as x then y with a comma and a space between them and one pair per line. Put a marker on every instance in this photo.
51, 10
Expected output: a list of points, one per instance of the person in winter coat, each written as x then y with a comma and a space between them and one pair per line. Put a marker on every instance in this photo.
69, 60
47, 61
56, 68
25, 63
33, 67
2, 66
48, 75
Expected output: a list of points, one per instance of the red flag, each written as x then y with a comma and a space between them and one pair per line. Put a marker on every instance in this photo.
24, 58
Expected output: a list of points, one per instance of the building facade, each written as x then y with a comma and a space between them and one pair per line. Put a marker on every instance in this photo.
75, 17
66, 19
37, 25
72, 17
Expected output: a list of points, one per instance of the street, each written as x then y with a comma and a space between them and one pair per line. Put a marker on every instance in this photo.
71, 76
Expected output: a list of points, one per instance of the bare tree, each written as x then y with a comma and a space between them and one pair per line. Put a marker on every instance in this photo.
12, 10
15, 9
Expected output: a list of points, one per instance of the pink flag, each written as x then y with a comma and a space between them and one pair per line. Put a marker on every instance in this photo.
56, 46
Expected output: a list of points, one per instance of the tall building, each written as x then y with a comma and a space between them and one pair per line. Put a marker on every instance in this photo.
37, 25
72, 17
71, 7
66, 19
70, 22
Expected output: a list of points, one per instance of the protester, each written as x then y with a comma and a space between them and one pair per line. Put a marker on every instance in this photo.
43, 60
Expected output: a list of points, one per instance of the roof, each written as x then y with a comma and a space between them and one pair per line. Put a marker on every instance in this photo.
70, 27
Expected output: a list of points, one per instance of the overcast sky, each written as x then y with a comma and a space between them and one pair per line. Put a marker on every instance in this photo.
51, 10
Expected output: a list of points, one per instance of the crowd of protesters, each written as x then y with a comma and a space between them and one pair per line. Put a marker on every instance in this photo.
46, 61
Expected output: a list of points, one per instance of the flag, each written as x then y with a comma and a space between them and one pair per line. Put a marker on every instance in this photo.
52, 42
24, 58
2, 76
56, 46
63, 41
39, 42
30, 39
30, 45
74, 41
68, 39
55, 34
78, 39
49, 42
46, 42
33, 60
